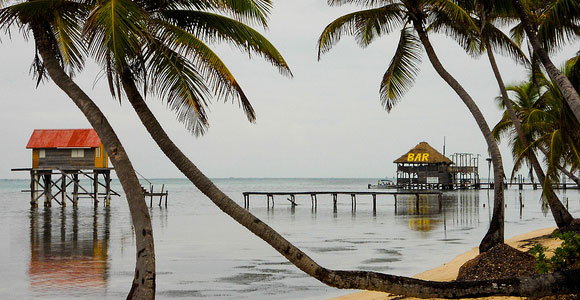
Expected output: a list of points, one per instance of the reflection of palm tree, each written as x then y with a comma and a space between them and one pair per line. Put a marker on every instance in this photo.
411, 17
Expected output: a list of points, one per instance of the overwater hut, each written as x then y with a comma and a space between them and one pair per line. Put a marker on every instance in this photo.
67, 149
59, 157
423, 167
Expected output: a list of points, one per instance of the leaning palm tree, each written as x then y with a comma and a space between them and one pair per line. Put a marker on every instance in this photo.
561, 20
488, 38
359, 279
411, 17
55, 28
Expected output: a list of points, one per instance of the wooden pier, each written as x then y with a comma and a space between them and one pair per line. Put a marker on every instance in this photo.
314, 199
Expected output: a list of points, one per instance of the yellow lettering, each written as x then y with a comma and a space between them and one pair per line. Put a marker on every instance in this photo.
425, 157
417, 157
410, 157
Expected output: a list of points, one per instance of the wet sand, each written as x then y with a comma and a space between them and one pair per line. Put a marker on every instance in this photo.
449, 271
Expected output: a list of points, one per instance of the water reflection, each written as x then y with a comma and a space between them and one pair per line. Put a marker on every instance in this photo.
69, 248
427, 212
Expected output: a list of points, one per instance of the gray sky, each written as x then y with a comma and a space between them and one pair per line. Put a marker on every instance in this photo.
325, 122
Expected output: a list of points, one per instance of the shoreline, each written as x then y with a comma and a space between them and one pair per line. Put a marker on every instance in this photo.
449, 270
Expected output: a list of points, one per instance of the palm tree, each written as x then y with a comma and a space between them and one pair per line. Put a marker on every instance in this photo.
54, 26
412, 17
485, 39
562, 19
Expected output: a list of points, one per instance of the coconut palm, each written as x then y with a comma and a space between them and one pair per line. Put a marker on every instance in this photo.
488, 38
55, 28
560, 19
411, 19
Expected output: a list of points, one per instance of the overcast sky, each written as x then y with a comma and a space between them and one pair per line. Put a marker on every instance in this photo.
327, 121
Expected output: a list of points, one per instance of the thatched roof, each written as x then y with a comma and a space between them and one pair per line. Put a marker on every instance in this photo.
423, 153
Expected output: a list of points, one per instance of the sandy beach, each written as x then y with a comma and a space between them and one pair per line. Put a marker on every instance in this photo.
449, 271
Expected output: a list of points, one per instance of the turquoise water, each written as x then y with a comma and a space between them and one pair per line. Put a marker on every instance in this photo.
56, 253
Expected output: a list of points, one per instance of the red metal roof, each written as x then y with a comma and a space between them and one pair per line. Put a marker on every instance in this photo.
63, 138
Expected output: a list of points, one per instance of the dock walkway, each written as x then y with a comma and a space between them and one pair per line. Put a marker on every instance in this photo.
314, 200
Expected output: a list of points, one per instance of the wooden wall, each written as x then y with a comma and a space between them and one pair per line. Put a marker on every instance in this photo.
61, 158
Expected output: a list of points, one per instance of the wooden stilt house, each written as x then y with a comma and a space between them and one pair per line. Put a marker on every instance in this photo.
67, 149
423, 167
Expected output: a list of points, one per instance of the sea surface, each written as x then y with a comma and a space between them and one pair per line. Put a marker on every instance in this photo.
89, 253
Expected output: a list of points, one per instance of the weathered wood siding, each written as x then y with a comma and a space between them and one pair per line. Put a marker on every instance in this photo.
61, 158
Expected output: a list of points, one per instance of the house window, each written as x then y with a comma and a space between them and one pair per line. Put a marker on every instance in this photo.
77, 153
41, 153
98, 152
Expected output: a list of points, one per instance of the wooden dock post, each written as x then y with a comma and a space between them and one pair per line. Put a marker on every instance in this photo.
161, 196
353, 201
395, 200
47, 189
417, 202
334, 201
75, 189
375, 203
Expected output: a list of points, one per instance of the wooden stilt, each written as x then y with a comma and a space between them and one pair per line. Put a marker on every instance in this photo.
33, 189
107, 188
334, 201
96, 189
47, 189
63, 189
75, 189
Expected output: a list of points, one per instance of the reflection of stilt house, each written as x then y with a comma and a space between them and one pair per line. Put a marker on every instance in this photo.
59, 156
423, 167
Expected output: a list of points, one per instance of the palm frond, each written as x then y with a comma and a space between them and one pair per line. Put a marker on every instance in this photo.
116, 29
218, 77
213, 28
365, 25
175, 79
504, 45
454, 12
402, 70
363, 3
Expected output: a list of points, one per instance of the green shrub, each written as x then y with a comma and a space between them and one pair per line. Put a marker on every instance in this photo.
564, 256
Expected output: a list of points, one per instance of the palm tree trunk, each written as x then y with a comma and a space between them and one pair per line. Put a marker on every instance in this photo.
570, 94
143, 286
495, 234
545, 284
561, 215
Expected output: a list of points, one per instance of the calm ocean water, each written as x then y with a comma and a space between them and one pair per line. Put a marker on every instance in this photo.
55, 253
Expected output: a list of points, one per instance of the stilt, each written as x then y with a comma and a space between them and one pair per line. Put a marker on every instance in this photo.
107, 188
47, 189
33, 189
75, 189
395, 201
417, 202
334, 201
63, 189
353, 201
96, 189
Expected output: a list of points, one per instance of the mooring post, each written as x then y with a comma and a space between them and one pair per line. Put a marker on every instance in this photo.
161, 196
334, 201
312, 200
352, 201
63, 189
47, 189
33, 189
108, 188
375, 203
75, 189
